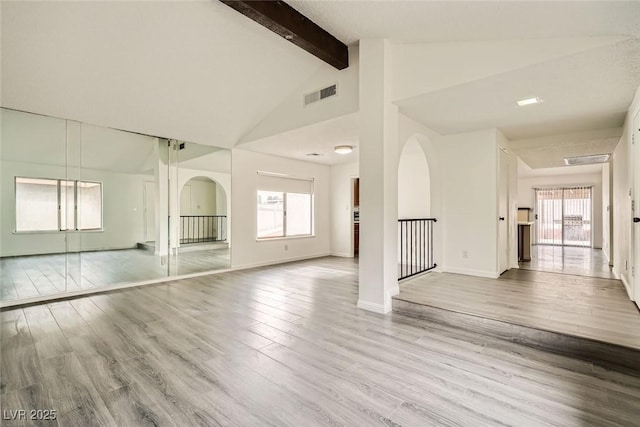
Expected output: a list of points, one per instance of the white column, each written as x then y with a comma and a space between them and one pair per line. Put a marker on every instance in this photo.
161, 181
378, 179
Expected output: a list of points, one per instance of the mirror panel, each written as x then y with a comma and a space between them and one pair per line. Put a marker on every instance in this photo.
200, 203
33, 165
87, 207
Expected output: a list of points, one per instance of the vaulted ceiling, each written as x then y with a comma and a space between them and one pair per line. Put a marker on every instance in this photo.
199, 71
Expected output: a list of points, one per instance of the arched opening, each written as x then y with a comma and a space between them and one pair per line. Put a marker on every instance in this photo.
203, 226
414, 183
203, 212
415, 227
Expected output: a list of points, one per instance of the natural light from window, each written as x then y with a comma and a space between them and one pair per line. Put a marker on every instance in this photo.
57, 205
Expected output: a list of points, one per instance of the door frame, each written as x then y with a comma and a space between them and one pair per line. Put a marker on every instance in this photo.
634, 246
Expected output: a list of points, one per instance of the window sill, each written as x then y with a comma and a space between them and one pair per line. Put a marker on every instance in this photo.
271, 239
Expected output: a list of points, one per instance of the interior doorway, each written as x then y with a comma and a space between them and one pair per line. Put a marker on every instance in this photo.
564, 216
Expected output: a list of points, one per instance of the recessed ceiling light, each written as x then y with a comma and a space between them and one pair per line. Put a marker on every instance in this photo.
529, 101
289, 36
587, 160
343, 149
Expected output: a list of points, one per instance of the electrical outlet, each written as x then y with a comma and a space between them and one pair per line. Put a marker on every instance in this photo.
465, 254
286, 247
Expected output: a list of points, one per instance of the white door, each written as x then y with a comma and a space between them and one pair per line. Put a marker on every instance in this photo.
635, 227
503, 207
149, 211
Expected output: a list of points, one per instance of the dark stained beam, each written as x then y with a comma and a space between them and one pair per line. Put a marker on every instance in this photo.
287, 22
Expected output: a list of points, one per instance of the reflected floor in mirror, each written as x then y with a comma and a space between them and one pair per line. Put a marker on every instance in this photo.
39, 275
569, 260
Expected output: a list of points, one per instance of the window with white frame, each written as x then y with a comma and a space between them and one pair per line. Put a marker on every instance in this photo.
44, 204
284, 206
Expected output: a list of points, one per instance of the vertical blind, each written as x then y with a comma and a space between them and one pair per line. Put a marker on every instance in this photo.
564, 216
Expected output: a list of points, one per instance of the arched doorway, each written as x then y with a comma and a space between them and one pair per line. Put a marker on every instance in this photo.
415, 225
203, 211
203, 226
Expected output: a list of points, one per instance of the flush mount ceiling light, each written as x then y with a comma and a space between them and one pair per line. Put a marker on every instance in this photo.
343, 149
529, 101
587, 160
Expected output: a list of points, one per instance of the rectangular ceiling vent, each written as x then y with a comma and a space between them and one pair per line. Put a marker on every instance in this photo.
587, 160
321, 94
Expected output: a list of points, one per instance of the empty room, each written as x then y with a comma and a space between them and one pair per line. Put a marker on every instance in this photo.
312, 212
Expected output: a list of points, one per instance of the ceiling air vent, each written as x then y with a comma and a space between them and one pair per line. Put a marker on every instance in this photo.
587, 160
321, 94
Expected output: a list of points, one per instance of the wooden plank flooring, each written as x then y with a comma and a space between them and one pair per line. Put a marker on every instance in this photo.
569, 260
285, 346
39, 275
587, 307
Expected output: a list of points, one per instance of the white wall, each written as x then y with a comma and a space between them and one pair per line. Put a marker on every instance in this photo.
122, 212
246, 251
526, 194
469, 197
293, 114
341, 208
414, 185
624, 165
198, 197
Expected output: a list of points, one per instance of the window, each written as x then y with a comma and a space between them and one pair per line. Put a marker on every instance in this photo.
284, 206
57, 205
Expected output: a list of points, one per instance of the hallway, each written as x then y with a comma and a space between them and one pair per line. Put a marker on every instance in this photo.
568, 260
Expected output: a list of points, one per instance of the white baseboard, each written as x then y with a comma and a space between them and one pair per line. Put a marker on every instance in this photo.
470, 272
372, 306
276, 262
342, 254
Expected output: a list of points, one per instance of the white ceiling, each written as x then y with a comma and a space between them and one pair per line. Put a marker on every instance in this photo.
550, 151
524, 171
199, 71
584, 91
320, 138
353, 20
189, 70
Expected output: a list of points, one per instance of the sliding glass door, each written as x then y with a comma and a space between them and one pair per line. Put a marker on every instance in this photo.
564, 216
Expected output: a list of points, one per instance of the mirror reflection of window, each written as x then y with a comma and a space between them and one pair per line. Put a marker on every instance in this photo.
36, 204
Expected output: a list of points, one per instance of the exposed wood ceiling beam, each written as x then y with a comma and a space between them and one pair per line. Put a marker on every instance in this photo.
287, 22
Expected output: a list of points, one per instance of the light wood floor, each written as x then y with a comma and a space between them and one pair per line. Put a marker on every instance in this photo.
582, 306
569, 260
32, 276
286, 346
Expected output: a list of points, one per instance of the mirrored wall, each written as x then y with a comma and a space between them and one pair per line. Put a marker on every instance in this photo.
86, 207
